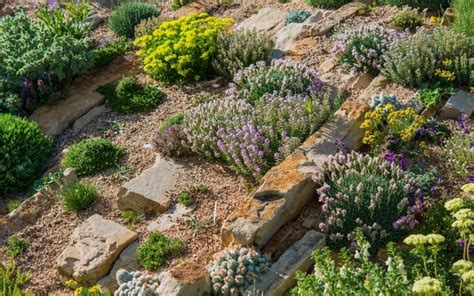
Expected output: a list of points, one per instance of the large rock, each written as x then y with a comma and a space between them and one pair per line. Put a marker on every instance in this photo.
53, 119
267, 20
93, 248
281, 275
88, 117
460, 102
147, 193
127, 260
288, 187
185, 279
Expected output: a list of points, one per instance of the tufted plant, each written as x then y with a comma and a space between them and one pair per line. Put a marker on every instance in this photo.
282, 77
235, 270
363, 49
296, 16
136, 283
24, 150
91, 156
241, 49
182, 50
128, 15
361, 191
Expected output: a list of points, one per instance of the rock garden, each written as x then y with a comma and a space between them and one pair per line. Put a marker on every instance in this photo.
318, 147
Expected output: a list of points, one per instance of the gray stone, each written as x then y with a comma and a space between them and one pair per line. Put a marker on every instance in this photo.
314, 18
70, 175
185, 279
127, 260
96, 20
92, 249
169, 219
88, 117
287, 36
327, 65
460, 102
281, 275
267, 20
147, 193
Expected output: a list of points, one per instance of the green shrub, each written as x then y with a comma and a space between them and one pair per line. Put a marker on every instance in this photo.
147, 26
24, 150
91, 156
78, 195
128, 15
36, 60
156, 250
179, 3
430, 4
458, 154
355, 273
182, 50
13, 205
16, 246
241, 49
105, 53
327, 3
464, 16
431, 97
440, 56
130, 96
407, 20
12, 280
172, 120
185, 199
366, 192
132, 218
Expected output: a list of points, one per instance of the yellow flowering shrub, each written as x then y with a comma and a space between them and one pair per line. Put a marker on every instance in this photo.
400, 125
181, 50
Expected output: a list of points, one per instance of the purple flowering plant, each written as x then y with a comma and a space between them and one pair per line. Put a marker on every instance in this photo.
363, 49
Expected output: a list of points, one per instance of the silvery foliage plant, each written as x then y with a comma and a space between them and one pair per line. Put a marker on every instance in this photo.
363, 49
282, 77
233, 271
381, 100
361, 191
136, 283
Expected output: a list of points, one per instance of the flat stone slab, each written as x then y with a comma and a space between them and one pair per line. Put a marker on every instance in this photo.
267, 20
281, 275
147, 193
93, 248
288, 187
53, 119
127, 260
185, 279
459, 103
169, 219
88, 117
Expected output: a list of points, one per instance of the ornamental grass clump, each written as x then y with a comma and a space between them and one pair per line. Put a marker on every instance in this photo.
363, 49
464, 21
241, 49
282, 77
361, 191
78, 195
24, 150
128, 15
235, 270
439, 56
182, 50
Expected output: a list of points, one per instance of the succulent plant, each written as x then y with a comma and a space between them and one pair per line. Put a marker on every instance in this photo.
235, 270
136, 283
381, 100
296, 16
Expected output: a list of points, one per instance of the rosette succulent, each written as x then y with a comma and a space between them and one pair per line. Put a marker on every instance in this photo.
361, 191
363, 49
282, 77
235, 270
136, 283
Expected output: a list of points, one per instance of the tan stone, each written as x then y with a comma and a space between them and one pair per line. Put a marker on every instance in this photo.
53, 119
362, 81
147, 193
327, 65
93, 248
185, 279
267, 20
281, 275
329, 22
193, 7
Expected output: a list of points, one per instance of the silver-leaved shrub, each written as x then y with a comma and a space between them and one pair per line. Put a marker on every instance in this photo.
439, 56
235, 270
361, 191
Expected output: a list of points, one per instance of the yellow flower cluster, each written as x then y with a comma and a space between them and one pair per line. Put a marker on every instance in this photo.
94, 290
420, 239
402, 124
445, 74
427, 286
181, 50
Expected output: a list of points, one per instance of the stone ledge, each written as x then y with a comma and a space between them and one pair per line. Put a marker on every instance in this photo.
288, 187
